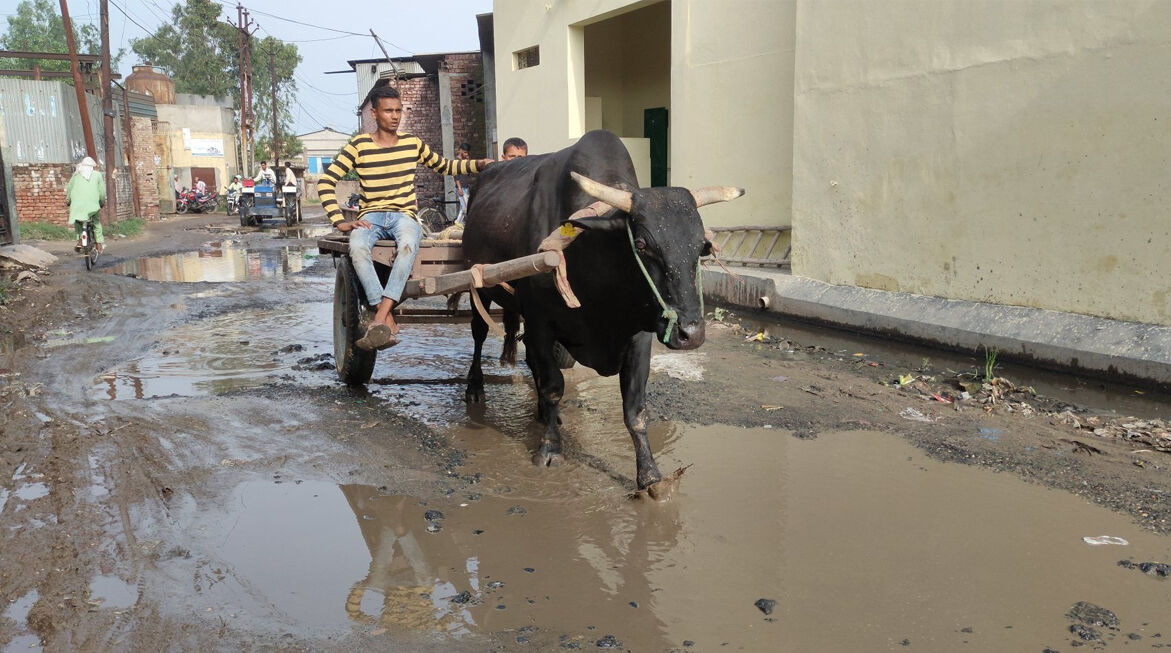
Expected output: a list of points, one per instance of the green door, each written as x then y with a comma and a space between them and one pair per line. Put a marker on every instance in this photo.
654, 127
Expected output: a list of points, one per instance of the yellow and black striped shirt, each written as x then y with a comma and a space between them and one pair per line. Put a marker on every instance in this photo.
386, 174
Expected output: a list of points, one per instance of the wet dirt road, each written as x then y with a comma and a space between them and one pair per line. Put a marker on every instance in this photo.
181, 470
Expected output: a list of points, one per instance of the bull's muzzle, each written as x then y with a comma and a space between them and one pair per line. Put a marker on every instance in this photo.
687, 336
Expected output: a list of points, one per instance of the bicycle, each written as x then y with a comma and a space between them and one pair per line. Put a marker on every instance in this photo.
89, 245
434, 218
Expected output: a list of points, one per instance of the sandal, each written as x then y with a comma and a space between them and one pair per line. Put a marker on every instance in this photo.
377, 338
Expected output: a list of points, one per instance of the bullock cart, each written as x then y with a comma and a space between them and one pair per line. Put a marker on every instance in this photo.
439, 270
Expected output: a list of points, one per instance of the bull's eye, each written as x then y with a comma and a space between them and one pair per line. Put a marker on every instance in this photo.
640, 243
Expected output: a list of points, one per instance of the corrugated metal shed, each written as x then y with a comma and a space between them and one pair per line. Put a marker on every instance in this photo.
141, 104
43, 125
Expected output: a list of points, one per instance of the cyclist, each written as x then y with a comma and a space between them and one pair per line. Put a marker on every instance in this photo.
86, 195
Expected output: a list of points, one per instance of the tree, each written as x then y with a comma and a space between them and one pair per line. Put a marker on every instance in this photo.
37, 27
285, 60
200, 50
197, 48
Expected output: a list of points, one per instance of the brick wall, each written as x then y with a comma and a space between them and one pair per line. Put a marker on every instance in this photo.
40, 191
422, 116
144, 166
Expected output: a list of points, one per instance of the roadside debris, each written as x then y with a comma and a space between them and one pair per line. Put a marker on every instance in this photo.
914, 415
1157, 569
1100, 540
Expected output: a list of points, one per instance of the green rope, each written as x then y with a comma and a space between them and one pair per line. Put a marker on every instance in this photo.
668, 312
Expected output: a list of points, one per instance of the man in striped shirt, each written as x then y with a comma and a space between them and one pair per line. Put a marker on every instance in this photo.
385, 162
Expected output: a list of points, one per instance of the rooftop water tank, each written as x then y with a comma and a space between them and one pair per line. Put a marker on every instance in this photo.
152, 81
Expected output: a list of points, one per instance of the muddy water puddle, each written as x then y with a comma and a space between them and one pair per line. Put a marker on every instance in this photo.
424, 376
221, 262
229, 352
862, 542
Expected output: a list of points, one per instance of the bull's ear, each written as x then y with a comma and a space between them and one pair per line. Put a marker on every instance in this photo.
609, 222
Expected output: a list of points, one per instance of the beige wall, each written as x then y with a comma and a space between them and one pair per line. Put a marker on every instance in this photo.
729, 89
203, 122
1009, 152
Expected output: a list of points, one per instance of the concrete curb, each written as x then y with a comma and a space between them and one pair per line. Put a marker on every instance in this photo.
1131, 351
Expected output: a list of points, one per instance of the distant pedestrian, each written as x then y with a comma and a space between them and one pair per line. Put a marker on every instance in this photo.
462, 153
177, 186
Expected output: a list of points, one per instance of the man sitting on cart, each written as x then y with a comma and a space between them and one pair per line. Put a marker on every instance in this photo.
385, 162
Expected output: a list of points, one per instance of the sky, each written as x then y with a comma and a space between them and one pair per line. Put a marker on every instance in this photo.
406, 27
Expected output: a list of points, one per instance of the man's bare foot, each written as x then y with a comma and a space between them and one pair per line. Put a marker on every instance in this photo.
384, 316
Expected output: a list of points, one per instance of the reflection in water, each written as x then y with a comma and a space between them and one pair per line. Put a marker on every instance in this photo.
491, 564
417, 584
860, 539
227, 261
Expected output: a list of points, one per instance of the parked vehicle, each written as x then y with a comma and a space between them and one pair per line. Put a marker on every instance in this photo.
189, 201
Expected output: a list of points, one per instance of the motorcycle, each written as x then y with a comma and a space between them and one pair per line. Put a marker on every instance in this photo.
233, 202
189, 200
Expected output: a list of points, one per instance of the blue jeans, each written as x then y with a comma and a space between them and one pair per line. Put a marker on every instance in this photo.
383, 225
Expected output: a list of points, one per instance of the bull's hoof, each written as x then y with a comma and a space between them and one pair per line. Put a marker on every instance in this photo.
660, 490
547, 457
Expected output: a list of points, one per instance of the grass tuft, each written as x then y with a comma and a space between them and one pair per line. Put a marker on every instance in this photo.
45, 231
128, 228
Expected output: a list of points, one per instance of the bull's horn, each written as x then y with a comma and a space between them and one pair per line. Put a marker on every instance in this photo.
619, 199
713, 194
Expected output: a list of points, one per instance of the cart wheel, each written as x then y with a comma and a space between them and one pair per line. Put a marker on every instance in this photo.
562, 357
354, 365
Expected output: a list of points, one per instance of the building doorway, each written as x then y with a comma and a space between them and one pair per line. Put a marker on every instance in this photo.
208, 175
627, 83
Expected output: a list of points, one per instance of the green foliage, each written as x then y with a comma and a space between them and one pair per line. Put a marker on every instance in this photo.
37, 27
197, 48
990, 363
129, 227
200, 50
46, 231
290, 145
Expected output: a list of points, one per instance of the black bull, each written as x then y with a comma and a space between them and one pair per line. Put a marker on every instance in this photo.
517, 203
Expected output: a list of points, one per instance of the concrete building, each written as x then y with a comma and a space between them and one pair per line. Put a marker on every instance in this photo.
1010, 153
320, 148
196, 138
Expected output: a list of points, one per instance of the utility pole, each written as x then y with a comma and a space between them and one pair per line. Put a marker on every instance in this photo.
247, 119
78, 85
276, 146
243, 110
110, 211
393, 68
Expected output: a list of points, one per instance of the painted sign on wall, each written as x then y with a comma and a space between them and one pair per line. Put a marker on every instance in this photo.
207, 147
